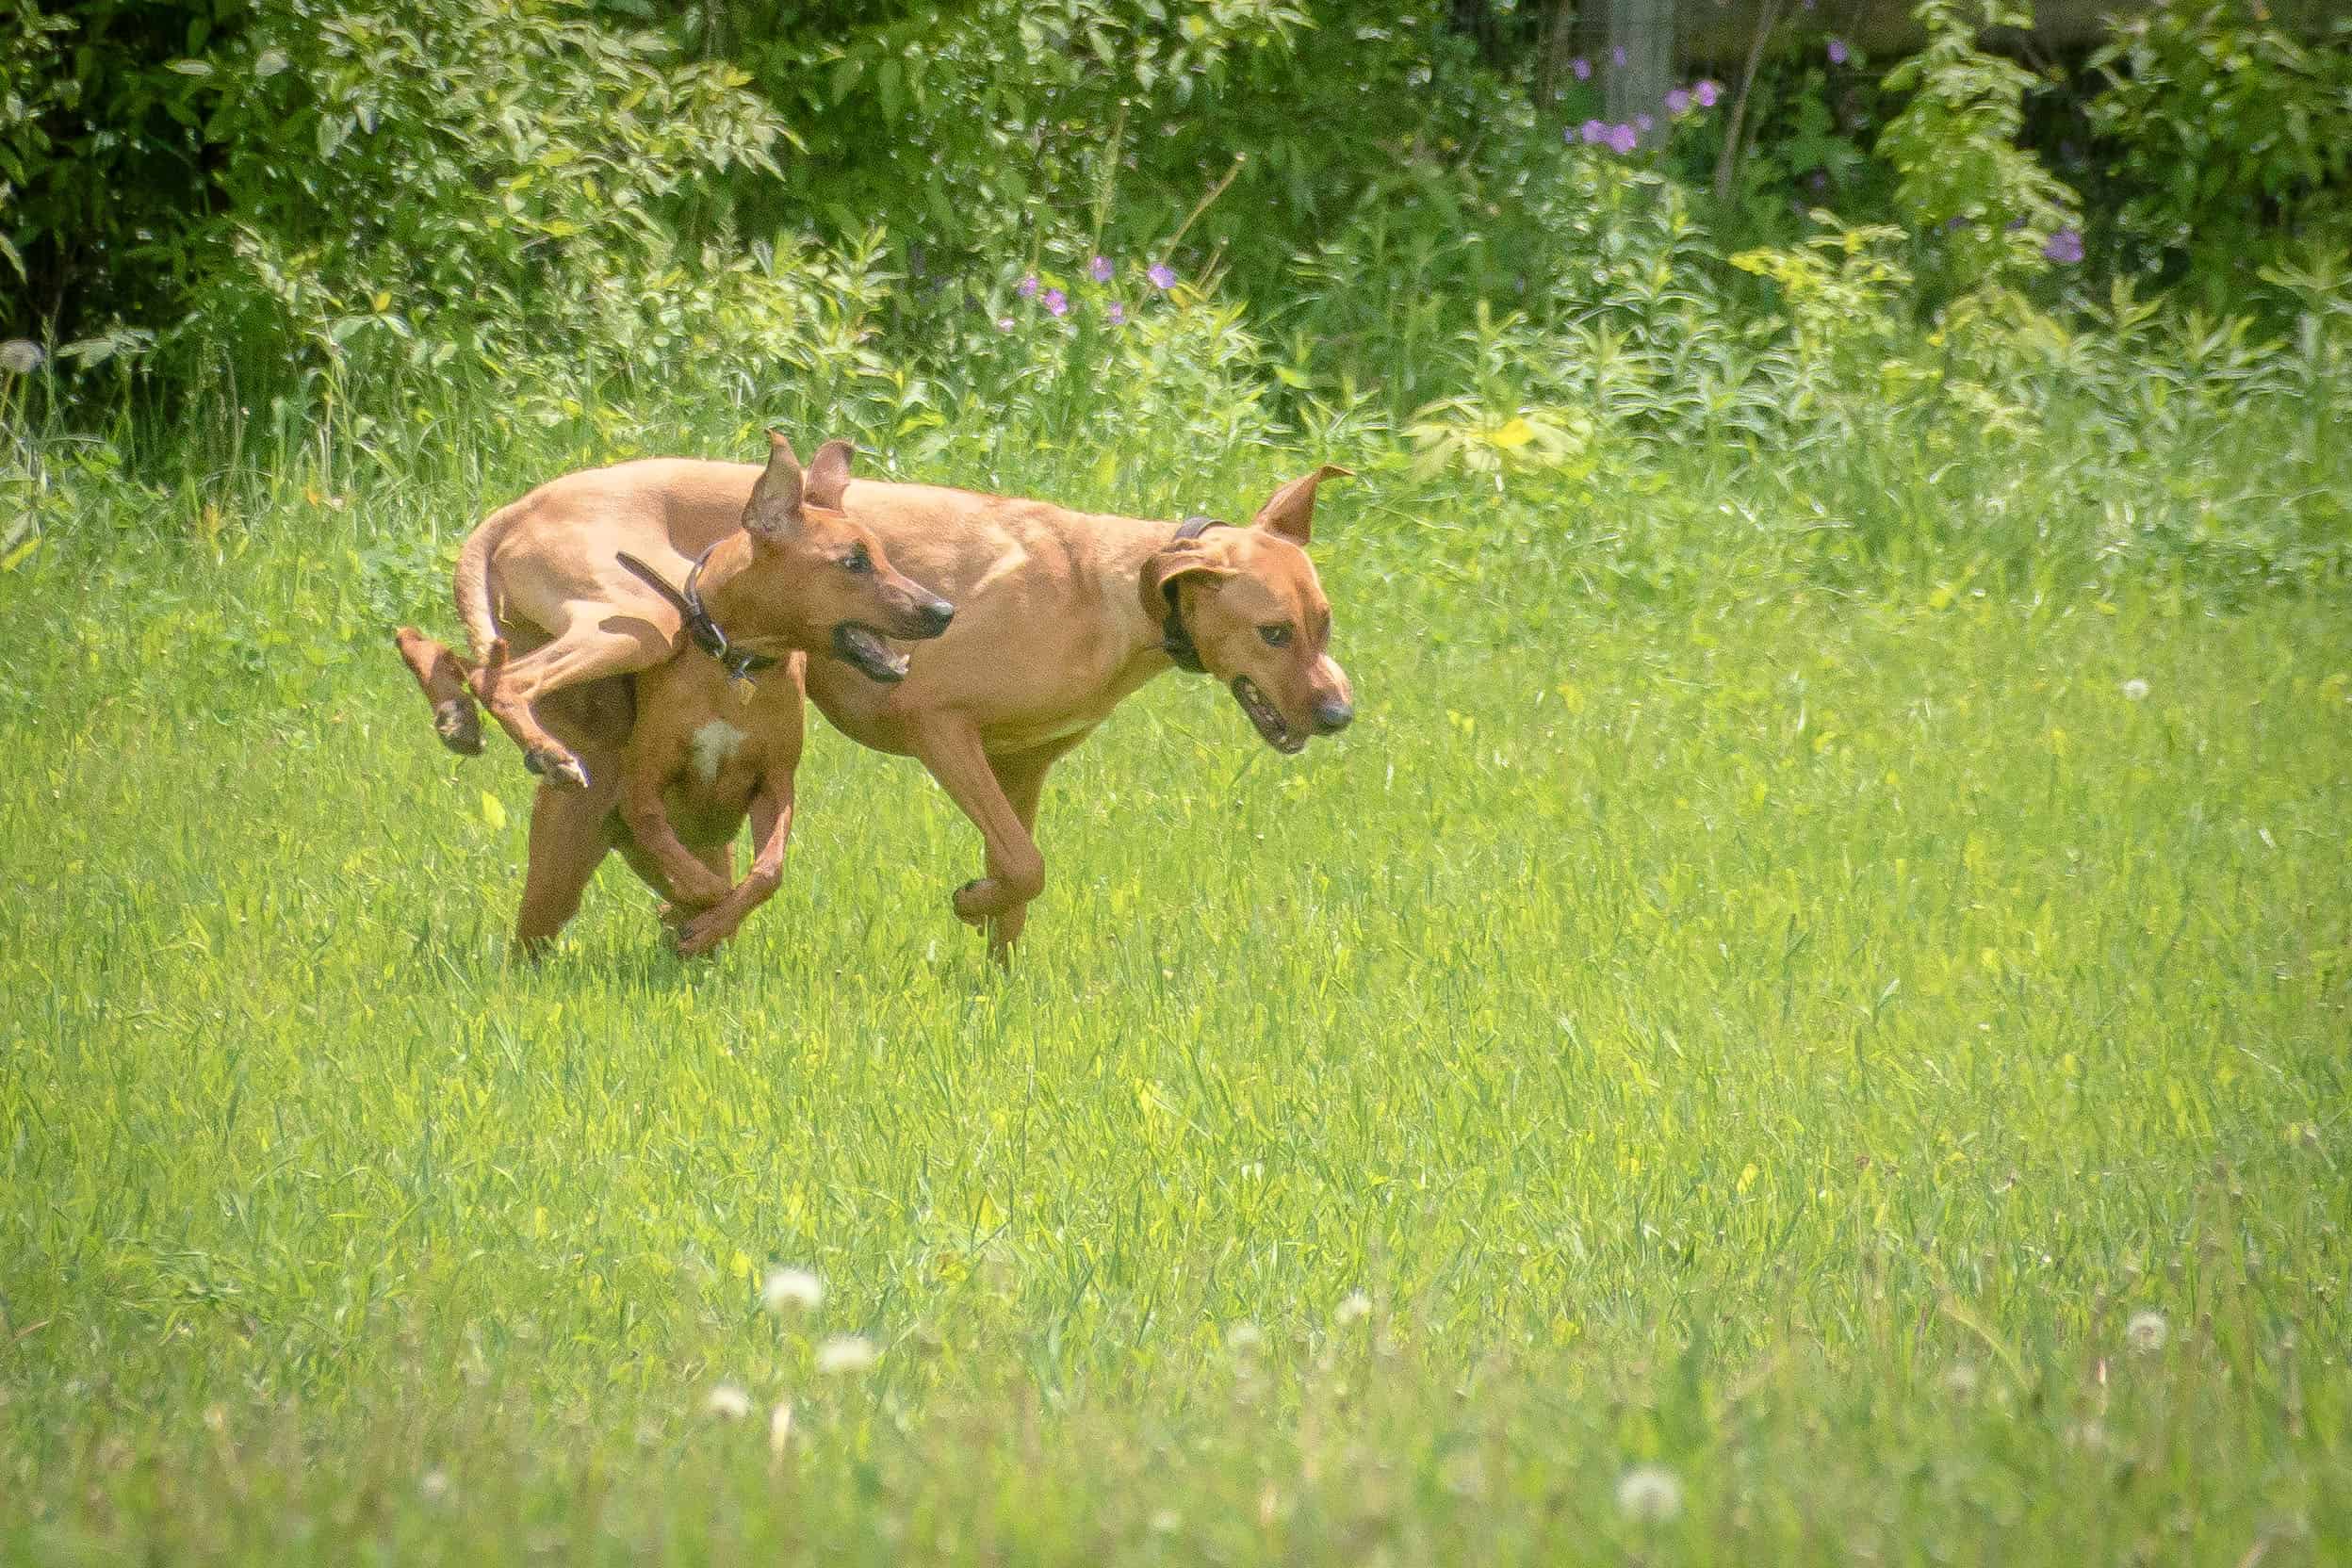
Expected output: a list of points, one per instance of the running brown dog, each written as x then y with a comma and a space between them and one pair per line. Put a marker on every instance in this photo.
684, 751
1059, 615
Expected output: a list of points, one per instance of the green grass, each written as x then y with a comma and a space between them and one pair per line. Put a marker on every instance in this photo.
1779, 1035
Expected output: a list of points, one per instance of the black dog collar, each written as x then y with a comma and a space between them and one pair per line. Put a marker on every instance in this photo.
1174, 639
740, 664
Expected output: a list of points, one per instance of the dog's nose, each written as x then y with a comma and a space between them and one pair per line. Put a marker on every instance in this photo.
936, 615
1332, 716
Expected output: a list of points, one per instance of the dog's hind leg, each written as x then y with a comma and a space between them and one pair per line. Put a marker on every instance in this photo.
442, 679
567, 844
581, 651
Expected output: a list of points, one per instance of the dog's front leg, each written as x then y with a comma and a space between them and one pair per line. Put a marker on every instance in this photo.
770, 831
689, 883
951, 748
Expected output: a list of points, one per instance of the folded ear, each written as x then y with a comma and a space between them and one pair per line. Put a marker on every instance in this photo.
1180, 560
775, 509
1291, 514
828, 475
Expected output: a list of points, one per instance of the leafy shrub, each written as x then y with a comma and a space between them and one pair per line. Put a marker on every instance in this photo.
2226, 134
1962, 176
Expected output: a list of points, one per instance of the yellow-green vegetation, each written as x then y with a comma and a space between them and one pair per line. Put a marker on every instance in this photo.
1725, 1062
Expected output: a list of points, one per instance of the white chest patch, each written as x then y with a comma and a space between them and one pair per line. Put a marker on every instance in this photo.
714, 743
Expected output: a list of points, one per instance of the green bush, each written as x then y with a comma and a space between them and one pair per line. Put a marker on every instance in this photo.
2228, 136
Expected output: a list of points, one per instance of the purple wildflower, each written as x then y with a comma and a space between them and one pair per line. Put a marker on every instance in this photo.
1057, 302
1100, 268
1836, 51
1617, 57
1581, 69
1678, 102
2014, 224
2064, 248
1593, 132
1162, 276
1705, 92
1624, 138
1957, 220
1818, 181
1643, 123
1117, 313
1028, 287
1004, 323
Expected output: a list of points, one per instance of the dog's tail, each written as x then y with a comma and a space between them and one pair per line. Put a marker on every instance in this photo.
474, 595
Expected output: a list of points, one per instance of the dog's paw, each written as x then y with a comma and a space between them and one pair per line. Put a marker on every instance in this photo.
558, 767
700, 935
459, 725
971, 902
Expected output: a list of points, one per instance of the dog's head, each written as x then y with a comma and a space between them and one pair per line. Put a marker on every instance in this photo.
1249, 600
824, 576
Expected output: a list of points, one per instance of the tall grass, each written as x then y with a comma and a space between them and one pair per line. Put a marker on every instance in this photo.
1737, 1002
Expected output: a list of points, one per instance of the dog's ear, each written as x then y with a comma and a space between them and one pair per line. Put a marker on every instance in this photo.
1182, 559
775, 509
828, 475
1291, 514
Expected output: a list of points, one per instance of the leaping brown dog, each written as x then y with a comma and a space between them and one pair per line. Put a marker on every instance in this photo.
678, 756
1059, 615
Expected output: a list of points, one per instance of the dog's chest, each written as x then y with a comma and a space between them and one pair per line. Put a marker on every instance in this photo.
714, 745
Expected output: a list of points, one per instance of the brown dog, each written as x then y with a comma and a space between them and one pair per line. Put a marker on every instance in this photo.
1060, 616
681, 755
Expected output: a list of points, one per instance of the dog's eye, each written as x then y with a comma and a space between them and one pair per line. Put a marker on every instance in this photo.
857, 561
1276, 635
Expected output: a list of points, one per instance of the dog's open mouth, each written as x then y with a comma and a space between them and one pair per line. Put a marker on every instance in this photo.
863, 646
1271, 723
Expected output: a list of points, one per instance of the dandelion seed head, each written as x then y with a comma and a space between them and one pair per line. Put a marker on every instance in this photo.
727, 1402
433, 1485
2147, 1332
1961, 1380
845, 1354
2135, 690
1243, 1339
22, 356
779, 1428
1649, 1493
1354, 1307
792, 1290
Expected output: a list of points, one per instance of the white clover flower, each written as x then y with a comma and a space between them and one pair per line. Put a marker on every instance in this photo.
791, 1288
2147, 1332
2135, 690
22, 356
846, 1354
1354, 1307
727, 1402
1649, 1493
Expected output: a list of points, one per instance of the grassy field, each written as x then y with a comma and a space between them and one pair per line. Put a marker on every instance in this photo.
1746, 1074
